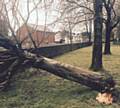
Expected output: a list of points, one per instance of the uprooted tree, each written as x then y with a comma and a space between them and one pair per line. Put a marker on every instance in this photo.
14, 59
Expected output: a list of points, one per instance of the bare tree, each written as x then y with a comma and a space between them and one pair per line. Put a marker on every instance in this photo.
97, 47
117, 32
74, 13
89, 20
111, 22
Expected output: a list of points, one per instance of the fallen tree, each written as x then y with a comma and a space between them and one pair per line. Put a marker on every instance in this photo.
14, 59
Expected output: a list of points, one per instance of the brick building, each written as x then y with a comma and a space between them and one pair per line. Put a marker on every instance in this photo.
41, 35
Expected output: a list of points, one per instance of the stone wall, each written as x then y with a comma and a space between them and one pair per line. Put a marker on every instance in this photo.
56, 50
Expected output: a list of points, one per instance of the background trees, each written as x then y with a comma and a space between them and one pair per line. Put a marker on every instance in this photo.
78, 14
111, 21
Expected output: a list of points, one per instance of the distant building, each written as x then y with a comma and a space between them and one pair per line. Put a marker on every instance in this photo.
40, 34
77, 38
85, 36
60, 37
64, 37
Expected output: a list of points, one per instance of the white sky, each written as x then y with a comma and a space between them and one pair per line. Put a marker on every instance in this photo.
52, 15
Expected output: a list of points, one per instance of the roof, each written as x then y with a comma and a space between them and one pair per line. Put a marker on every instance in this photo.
39, 27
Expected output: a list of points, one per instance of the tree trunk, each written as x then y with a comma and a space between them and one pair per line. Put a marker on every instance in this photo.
107, 50
97, 81
71, 37
101, 82
97, 47
90, 30
108, 34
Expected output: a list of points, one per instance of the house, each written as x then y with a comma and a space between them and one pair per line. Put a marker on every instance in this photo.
64, 37
40, 34
59, 37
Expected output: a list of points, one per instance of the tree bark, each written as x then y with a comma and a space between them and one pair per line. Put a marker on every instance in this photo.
97, 81
107, 50
108, 33
90, 30
97, 47
101, 82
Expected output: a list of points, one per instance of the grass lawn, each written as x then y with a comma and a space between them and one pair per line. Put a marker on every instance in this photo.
31, 89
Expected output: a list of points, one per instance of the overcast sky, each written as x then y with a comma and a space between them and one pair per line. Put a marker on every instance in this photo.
52, 15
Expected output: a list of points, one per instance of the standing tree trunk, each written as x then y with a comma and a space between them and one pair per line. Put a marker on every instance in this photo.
70, 36
107, 50
97, 47
108, 33
90, 30
111, 16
